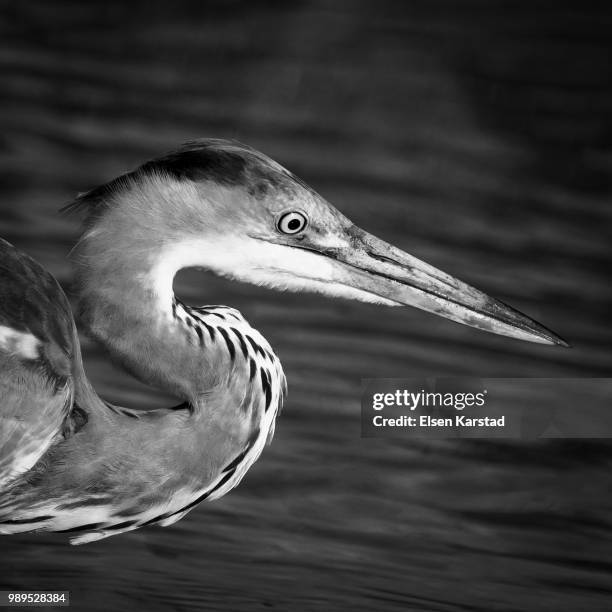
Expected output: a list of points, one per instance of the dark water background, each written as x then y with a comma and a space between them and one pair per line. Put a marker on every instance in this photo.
476, 135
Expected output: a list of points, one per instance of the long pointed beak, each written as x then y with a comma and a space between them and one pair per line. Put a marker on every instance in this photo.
372, 265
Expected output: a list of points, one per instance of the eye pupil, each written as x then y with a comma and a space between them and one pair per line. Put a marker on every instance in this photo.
294, 224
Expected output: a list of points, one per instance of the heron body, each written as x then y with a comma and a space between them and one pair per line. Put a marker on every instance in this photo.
70, 461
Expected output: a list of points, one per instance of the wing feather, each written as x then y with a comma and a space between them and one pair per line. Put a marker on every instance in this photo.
38, 344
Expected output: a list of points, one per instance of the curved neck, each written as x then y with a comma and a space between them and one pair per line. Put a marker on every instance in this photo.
126, 302
154, 338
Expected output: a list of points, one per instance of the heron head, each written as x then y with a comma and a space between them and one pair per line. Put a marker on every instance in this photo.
232, 210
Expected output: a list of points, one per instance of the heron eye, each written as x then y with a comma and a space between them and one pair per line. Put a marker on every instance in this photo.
292, 222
